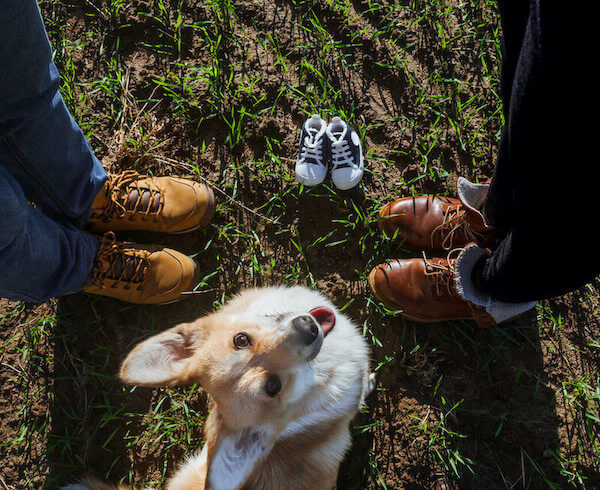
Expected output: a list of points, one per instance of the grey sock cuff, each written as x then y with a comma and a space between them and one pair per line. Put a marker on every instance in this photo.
472, 195
498, 310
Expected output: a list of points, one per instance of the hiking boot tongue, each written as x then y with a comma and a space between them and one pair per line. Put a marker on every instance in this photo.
148, 202
128, 268
325, 317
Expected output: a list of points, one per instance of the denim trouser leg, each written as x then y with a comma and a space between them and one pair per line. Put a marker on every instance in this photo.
39, 257
45, 158
52, 160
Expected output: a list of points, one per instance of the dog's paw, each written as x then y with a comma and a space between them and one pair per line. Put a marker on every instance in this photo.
369, 386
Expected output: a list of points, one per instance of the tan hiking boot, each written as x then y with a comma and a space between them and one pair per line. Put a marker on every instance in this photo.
129, 201
143, 274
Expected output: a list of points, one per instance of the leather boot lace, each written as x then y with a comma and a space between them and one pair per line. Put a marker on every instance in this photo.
126, 194
442, 274
454, 220
115, 265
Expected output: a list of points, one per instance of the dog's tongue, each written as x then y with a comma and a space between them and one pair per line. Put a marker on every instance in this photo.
325, 317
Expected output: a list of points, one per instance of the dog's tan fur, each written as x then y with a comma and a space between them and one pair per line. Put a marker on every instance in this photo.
293, 440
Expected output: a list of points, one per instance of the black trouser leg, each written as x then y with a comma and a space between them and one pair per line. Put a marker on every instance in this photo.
544, 187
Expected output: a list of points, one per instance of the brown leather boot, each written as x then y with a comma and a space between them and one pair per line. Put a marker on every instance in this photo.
439, 223
433, 290
424, 290
162, 204
143, 274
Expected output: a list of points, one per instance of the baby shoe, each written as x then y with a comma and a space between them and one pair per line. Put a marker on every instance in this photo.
347, 163
311, 166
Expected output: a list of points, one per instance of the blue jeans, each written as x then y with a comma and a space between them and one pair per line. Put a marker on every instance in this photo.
44, 160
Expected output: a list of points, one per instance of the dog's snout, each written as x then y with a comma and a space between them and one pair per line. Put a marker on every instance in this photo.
306, 328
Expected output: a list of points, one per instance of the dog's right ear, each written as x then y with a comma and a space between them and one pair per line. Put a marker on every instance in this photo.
163, 359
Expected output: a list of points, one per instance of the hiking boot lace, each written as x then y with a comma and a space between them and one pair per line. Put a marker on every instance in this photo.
442, 275
115, 264
453, 221
127, 195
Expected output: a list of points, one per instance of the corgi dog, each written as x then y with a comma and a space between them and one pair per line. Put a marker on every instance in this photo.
286, 372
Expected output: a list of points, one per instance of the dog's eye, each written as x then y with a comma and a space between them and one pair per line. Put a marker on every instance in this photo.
241, 340
273, 385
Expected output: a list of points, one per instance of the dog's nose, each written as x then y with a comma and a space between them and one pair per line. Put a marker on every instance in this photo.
307, 328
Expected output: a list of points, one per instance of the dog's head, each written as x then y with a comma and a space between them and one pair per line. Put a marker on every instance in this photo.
254, 357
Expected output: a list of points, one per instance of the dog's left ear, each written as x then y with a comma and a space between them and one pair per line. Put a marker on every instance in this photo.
233, 455
162, 360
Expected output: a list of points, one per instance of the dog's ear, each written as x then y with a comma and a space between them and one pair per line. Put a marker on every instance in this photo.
162, 359
233, 455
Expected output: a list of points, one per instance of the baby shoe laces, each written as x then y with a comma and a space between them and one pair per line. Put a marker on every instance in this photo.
341, 155
312, 151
